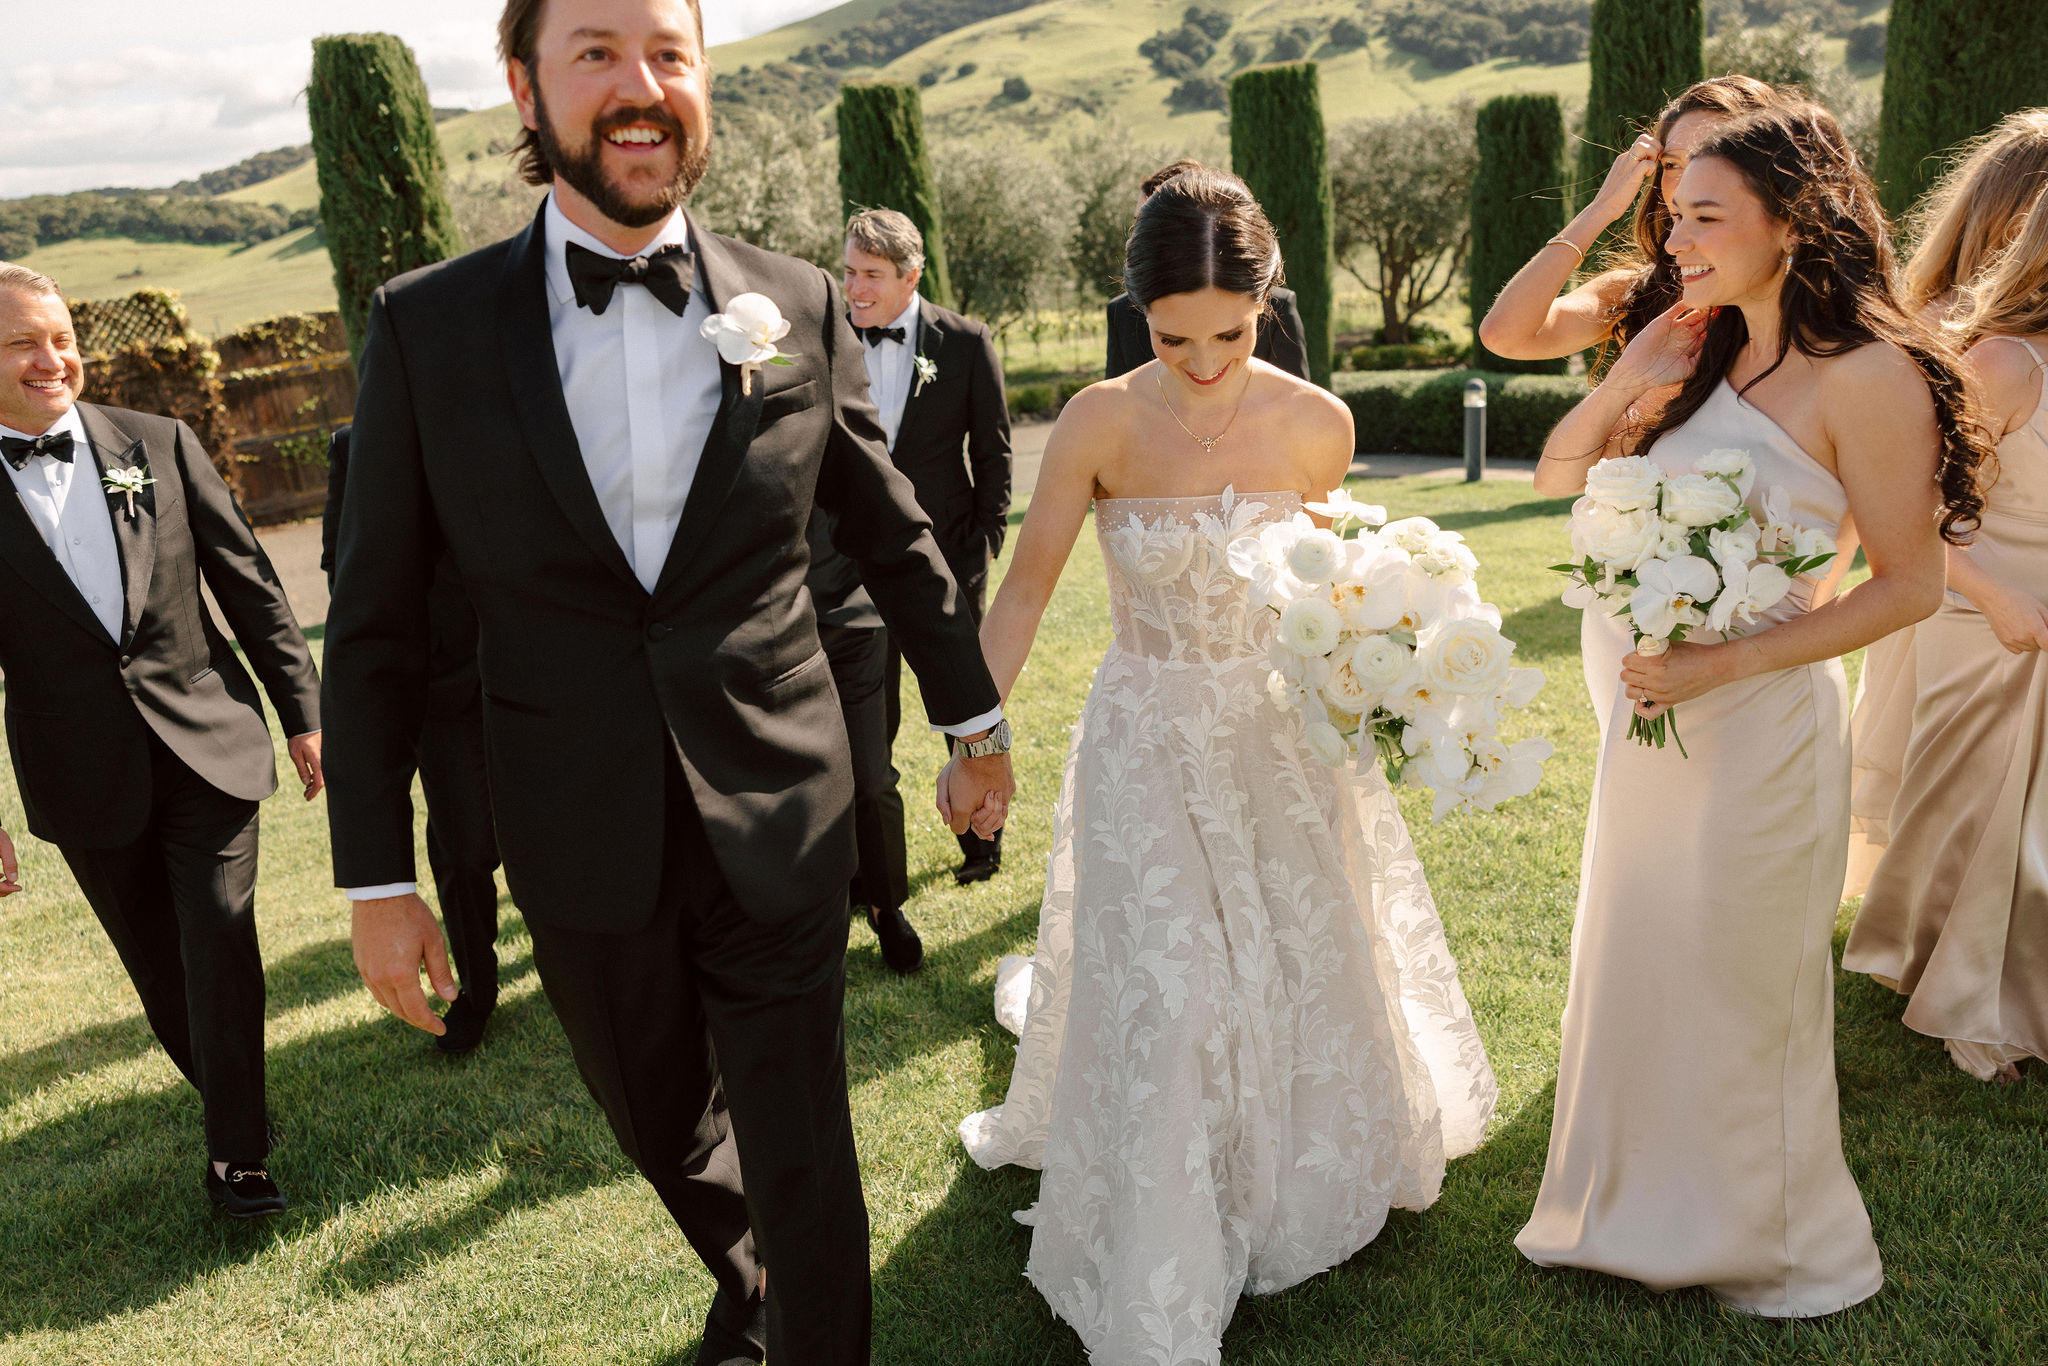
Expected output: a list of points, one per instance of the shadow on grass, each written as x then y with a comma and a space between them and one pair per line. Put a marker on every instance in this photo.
1553, 508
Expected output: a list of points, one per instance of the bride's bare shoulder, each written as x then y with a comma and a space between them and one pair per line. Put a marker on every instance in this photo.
1312, 411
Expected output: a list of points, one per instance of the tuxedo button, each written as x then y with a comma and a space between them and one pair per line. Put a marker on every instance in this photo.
660, 630
126, 661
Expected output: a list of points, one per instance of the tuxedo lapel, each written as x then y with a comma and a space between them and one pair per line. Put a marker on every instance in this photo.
23, 547
526, 339
931, 344
739, 415
115, 449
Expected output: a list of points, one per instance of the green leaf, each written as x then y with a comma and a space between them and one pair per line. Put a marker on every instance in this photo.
781, 359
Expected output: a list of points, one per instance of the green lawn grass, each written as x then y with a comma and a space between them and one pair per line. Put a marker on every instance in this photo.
477, 1211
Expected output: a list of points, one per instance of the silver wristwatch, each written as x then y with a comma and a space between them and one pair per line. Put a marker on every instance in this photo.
997, 741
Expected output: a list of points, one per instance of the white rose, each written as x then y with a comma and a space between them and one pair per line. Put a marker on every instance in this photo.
1733, 547
1728, 464
1310, 626
1410, 533
1380, 662
1623, 538
1445, 556
1807, 542
1325, 743
1700, 500
1317, 557
1626, 483
1346, 691
1468, 656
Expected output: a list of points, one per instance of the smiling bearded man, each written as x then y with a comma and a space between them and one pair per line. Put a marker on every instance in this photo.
669, 771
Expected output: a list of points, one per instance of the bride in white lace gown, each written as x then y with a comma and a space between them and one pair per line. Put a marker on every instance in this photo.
1245, 1039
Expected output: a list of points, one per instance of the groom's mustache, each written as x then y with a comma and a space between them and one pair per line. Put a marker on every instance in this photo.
657, 115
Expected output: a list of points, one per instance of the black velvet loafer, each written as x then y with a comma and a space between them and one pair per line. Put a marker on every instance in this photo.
247, 1192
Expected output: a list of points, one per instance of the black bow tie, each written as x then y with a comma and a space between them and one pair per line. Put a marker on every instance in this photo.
875, 336
668, 274
19, 451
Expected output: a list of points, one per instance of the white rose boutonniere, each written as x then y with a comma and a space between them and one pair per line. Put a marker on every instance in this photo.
129, 480
746, 334
927, 371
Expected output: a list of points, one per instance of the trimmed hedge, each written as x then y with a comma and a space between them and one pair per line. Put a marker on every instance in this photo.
1952, 69
1277, 147
883, 164
383, 184
1405, 356
1515, 205
1422, 412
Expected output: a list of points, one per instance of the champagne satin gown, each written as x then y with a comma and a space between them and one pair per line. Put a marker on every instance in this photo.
1957, 911
1878, 731
1696, 1138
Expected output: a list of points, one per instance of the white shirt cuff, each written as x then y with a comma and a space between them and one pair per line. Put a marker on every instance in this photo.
376, 893
974, 727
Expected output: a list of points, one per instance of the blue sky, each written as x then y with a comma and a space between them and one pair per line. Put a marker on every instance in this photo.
150, 92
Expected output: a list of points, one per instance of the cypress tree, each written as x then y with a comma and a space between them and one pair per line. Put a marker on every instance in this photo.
1517, 205
883, 164
1952, 69
1277, 148
1643, 53
383, 186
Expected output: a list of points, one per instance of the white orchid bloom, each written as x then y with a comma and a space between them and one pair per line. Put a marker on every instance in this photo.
1666, 591
1344, 511
1508, 771
1749, 590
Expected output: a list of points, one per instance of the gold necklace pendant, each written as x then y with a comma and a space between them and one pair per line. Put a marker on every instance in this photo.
1207, 443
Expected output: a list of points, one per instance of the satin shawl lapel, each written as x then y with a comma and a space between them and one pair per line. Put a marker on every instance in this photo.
931, 342
115, 449
526, 338
22, 546
731, 432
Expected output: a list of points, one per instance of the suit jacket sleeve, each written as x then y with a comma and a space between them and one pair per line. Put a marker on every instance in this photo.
1285, 337
988, 443
251, 596
330, 516
377, 624
882, 529
1118, 361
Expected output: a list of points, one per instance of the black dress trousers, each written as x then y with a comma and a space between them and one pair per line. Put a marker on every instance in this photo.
973, 847
179, 902
860, 658
716, 1046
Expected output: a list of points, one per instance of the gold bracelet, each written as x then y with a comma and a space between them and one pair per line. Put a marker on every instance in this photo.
1563, 241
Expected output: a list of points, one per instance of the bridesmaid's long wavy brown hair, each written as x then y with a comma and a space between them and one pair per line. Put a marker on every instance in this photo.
1842, 289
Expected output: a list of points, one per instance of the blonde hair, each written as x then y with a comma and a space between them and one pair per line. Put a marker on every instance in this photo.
32, 281
1978, 207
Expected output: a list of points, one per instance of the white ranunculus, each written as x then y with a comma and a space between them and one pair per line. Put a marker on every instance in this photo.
1623, 538
1325, 743
1410, 533
1466, 656
1666, 591
1733, 547
1381, 662
1728, 464
1673, 540
1317, 556
1808, 542
1445, 556
1627, 483
747, 331
1699, 500
1310, 626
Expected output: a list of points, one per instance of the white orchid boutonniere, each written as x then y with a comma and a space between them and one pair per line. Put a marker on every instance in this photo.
746, 334
927, 371
129, 480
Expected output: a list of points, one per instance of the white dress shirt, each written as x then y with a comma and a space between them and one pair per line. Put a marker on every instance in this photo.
69, 509
890, 368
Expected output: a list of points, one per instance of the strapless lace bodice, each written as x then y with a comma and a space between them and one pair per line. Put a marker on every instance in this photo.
1172, 593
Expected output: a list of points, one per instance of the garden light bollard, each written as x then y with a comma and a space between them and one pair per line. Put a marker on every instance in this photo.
1475, 430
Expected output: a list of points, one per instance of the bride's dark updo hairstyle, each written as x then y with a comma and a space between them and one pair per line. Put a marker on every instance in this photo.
1843, 289
1201, 230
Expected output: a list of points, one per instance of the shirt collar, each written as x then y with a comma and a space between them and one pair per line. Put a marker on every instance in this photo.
560, 232
68, 423
907, 320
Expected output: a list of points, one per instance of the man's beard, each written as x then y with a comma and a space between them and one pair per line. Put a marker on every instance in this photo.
585, 172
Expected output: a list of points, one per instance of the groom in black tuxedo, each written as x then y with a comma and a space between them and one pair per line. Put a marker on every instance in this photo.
625, 498
137, 735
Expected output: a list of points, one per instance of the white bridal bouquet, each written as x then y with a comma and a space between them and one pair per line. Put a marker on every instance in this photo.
1386, 651
1674, 552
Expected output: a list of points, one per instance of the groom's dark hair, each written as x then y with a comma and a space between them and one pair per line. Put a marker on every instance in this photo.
1202, 229
518, 39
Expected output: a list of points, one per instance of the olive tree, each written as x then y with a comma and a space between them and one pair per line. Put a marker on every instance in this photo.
1008, 220
1401, 187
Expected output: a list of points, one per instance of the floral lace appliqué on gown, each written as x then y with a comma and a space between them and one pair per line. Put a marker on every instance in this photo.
1245, 1039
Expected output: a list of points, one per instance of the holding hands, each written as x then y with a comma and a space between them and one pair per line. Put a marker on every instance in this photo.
975, 793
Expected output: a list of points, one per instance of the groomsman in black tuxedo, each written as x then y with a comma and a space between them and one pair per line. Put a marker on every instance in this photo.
586, 419
138, 737
462, 848
937, 383
1130, 340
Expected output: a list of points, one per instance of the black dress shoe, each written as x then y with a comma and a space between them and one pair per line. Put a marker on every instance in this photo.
978, 870
902, 950
465, 1025
246, 1193
734, 1336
